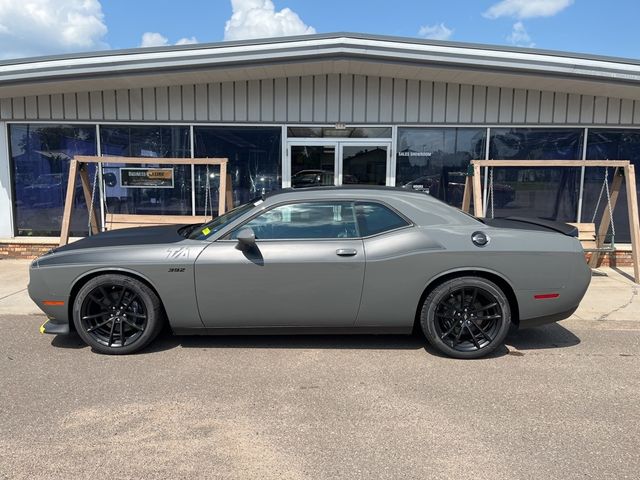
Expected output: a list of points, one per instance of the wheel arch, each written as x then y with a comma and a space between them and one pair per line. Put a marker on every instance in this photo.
81, 280
490, 275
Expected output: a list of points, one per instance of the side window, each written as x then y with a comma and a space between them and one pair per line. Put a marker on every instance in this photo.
374, 218
305, 221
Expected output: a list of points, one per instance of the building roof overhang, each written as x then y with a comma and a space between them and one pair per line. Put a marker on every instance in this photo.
339, 53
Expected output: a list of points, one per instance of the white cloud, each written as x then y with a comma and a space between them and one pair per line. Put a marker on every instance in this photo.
519, 36
259, 19
155, 39
435, 32
41, 27
527, 8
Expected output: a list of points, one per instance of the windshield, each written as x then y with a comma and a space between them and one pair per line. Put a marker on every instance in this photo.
205, 230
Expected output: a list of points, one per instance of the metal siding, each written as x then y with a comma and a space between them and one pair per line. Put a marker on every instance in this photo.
201, 101
31, 107
600, 110
360, 96
346, 98
189, 102
6, 109
84, 108
560, 108
293, 99
215, 103
266, 88
453, 103
613, 111
626, 112
573, 108
149, 104
44, 107
439, 101
70, 106
57, 107
372, 105
413, 98
505, 110
493, 104
95, 103
135, 103
320, 98
108, 104
227, 99
122, 104
399, 101
533, 106
280, 100
240, 101
162, 103
479, 106
386, 100
586, 109
546, 107
253, 100
175, 102
636, 112
465, 107
333, 97
519, 105
306, 99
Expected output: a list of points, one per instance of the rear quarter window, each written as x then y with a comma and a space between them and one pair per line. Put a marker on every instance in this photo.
375, 218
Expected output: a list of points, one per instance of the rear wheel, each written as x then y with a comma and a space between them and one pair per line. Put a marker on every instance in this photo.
116, 314
466, 317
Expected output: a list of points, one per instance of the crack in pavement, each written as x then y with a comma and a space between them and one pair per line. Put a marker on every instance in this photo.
634, 293
11, 294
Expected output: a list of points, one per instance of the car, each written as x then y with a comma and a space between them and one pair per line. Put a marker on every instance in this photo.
317, 260
316, 178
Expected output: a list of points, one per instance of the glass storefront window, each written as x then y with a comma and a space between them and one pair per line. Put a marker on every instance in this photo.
147, 141
435, 160
40, 157
332, 132
610, 144
255, 163
541, 192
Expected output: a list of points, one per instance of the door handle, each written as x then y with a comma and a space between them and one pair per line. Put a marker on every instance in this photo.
346, 252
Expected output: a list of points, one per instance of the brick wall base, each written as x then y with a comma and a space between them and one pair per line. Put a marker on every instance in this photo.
33, 250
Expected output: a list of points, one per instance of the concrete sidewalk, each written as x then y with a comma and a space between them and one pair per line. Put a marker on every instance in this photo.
612, 295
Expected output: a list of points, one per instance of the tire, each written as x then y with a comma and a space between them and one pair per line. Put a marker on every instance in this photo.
117, 314
466, 317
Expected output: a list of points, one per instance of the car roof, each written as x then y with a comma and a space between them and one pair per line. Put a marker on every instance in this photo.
351, 190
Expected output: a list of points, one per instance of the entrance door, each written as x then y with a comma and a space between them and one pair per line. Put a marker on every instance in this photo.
339, 163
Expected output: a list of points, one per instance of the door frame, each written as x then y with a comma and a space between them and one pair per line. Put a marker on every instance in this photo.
338, 155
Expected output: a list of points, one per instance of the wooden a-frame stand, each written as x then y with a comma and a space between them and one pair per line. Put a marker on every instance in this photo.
473, 187
78, 165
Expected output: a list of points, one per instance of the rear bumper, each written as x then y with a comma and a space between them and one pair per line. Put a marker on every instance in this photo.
537, 321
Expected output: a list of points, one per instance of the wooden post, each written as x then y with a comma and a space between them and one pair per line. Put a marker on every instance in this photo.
606, 217
86, 188
634, 220
477, 191
466, 195
222, 193
68, 203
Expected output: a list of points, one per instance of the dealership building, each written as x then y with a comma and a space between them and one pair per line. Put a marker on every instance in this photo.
318, 109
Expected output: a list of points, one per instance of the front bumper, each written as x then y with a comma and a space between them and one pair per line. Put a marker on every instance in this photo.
55, 327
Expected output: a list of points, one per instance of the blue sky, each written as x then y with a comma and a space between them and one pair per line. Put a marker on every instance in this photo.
36, 27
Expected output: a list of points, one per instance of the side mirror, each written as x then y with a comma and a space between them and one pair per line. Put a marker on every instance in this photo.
246, 238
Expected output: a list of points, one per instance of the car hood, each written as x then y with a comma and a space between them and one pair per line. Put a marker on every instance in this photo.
128, 237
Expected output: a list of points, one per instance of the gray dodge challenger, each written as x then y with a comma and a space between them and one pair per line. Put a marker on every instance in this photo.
317, 260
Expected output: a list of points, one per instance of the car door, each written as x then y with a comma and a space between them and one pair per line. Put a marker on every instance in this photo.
306, 270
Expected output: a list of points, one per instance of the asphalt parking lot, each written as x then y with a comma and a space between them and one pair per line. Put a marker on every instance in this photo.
562, 402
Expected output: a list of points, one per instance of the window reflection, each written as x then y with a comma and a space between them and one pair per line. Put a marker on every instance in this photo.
144, 141
435, 160
40, 157
254, 166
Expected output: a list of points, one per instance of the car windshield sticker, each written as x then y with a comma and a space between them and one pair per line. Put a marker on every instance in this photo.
206, 231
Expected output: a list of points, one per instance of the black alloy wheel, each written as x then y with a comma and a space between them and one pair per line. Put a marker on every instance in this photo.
116, 314
466, 317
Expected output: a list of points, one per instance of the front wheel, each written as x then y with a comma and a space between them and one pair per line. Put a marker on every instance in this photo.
116, 314
466, 317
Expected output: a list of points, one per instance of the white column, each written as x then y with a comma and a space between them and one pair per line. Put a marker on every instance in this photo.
6, 210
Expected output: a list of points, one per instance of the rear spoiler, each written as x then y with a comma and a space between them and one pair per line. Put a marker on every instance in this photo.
532, 223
